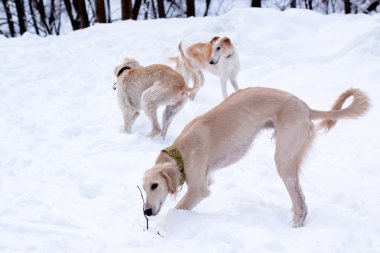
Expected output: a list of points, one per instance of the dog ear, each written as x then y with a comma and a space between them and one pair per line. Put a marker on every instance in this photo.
227, 41
214, 39
116, 70
171, 174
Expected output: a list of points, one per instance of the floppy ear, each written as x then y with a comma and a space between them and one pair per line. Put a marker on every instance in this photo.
116, 70
130, 62
171, 174
226, 41
214, 39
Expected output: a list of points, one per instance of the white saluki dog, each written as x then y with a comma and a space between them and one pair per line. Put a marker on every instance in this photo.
219, 57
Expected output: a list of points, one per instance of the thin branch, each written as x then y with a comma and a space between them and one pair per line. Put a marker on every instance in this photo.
147, 221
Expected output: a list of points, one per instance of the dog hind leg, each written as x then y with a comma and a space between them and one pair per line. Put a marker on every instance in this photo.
129, 112
168, 115
151, 99
129, 118
292, 144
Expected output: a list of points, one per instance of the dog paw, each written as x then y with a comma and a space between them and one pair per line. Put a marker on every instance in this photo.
299, 218
153, 133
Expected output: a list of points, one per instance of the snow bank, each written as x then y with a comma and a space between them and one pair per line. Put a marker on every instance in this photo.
68, 173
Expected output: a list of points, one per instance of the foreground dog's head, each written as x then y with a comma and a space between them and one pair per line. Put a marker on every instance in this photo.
221, 47
127, 62
159, 181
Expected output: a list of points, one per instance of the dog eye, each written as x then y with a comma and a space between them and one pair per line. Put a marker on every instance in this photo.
153, 186
218, 48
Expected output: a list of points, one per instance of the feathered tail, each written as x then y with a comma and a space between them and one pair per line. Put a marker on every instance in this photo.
196, 76
357, 108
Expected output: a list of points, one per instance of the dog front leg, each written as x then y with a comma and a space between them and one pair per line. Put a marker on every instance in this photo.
234, 82
223, 83
192, 198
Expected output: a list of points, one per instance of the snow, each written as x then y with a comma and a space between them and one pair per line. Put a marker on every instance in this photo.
68, 173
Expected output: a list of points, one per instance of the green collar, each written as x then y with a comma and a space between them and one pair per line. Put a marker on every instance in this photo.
174, 153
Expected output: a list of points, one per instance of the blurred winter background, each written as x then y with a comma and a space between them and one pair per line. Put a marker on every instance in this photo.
44, 17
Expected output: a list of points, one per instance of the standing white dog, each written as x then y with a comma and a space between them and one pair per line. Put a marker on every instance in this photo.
219, 57
148, 88
223, 135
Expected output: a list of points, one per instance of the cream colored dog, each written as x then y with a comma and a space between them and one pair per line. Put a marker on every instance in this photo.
148, 88
223, 135
218, 57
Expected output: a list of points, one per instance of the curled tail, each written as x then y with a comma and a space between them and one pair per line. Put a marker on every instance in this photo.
195, 75
357, 108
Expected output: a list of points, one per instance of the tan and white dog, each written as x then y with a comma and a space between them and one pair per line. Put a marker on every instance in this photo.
219, 57
223, 135
148, 88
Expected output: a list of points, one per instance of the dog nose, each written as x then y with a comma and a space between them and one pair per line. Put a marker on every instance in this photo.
148, 212
211, 62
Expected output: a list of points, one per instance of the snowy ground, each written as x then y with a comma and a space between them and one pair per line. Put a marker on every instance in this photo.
68, 174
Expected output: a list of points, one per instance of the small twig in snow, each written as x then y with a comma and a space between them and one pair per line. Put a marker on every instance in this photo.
147, 221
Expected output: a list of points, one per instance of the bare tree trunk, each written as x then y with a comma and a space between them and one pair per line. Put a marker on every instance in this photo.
310, 3
126, 9
136, 9
52, 15
21, 15
82, 12
92, 9
100, 11
293, 4
52, 12
161, 8
57, 24
146, 14
31, 9
69, 11
41, 11
9, 18
207, 7
373, 6
190, 8
154, 11
347, 6
109, 19
256, 3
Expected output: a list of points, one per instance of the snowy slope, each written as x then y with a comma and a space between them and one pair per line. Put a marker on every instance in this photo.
68, 174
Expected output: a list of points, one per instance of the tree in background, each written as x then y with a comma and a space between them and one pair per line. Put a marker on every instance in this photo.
161, 9
208, 2
74, 22
126, 9
256, 3
21, 15
100, 11
43, 17
80, 6
190, 8
109, 19
347, 6
9, 19
136, 9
